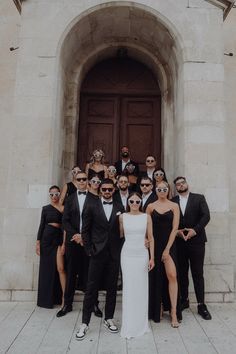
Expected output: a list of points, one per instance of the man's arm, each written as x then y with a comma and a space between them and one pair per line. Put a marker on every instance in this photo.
204, 215
66, 219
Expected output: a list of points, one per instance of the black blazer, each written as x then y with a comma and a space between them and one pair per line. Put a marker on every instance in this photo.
71, 216
98, 232
118, 166
196, 216
151, 199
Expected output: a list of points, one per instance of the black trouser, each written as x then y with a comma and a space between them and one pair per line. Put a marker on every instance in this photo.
74, 266
101, 266
193, 255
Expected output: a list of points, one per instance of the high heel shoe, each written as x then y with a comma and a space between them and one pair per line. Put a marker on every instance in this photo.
174, 320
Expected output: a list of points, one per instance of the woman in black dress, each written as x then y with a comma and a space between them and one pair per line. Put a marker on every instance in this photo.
163, 285
70, 187
52, 276
96, 165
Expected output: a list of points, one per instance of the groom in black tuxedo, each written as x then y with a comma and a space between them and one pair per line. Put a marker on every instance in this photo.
194, 216
102, 242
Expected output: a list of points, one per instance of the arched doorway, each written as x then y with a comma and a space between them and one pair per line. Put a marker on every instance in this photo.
120, 104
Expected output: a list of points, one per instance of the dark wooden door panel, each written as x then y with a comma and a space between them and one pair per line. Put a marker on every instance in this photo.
120, 105
141, 127
98, 127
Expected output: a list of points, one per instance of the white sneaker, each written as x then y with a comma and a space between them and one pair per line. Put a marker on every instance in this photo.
109, 324
82, 332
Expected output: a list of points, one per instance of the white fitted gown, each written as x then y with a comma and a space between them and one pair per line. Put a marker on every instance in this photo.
134, 265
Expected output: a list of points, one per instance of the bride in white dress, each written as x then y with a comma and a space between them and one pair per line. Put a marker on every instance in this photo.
135, 226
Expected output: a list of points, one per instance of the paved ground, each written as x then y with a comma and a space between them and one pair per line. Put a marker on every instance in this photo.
27, 329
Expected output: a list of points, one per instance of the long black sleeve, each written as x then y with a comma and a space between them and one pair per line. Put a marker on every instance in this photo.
42, 225
204, 215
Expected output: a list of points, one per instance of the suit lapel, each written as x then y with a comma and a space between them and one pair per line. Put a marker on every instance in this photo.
188, 203
76, 203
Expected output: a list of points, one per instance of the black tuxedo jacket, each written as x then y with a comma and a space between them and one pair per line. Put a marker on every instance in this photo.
98, 232
71, 219
151, 199
196, 216
118, 166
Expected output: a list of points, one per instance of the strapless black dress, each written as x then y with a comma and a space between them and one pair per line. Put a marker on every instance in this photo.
158, 282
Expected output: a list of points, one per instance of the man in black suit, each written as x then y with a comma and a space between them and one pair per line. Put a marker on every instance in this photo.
121, 195
102, 242
194, 217
120, 165
148, 196
76, 259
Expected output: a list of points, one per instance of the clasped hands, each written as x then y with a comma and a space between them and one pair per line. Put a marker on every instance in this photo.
77, 238
186, 233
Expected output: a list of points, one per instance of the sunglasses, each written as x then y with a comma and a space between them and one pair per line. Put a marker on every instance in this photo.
112, 171
107, 189
83, 179
121, 181
56, 194
93, 181
145, 184
150, 160
131, 201
159, 174
159, 190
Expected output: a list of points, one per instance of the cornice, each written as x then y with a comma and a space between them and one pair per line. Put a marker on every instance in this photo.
18, 5
225, 5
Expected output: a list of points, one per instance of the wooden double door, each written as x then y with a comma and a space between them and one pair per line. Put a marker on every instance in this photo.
117, 115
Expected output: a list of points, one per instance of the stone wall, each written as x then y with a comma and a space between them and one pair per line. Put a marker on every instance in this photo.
182, 42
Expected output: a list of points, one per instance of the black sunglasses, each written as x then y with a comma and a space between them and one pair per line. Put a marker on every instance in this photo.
106, 189
150, 160
82, 179
131, 201
145, 184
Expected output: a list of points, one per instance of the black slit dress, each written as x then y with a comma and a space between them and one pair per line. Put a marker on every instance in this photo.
50, 237
158, 282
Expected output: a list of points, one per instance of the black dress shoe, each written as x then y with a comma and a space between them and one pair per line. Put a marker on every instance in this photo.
202, 310
97, 311
184, 305
65, 309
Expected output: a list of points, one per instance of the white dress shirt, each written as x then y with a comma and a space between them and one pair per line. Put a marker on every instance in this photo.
124, 164
145, 197
183, 200
107, 208
124, 198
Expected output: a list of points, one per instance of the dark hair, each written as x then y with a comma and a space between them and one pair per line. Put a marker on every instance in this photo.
54, 187
179, 177
146, 178
150, 155
122, 175
131, 195
107, 181
162, 170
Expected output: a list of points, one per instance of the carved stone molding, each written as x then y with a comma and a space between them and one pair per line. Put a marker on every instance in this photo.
18, 4
225, 5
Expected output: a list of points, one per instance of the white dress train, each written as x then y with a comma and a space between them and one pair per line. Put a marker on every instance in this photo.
134, 265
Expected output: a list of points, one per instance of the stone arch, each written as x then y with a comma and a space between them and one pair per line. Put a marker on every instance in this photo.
95, 35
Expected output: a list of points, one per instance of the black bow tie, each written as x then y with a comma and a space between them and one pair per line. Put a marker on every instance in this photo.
107, 203
84, 193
